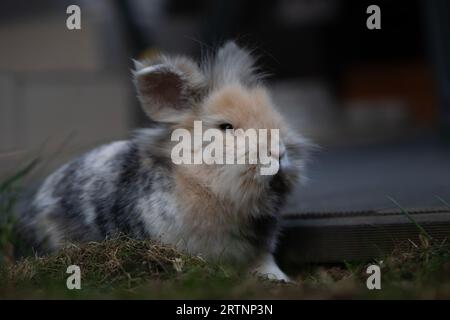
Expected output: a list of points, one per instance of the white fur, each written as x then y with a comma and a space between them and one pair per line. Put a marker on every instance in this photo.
267, 267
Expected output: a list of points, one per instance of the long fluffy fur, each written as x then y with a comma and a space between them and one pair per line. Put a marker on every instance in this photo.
225, 212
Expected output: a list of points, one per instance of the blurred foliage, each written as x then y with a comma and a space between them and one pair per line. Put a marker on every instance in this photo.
10, 190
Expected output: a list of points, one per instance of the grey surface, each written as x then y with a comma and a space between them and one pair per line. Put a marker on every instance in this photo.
361, 178
363, 237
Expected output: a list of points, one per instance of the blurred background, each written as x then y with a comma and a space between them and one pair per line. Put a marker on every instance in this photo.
375, 101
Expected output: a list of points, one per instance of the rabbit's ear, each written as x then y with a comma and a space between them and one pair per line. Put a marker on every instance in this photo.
233, 64
168, 87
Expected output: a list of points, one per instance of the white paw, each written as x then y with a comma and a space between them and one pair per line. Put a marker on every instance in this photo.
269, 269
274, 275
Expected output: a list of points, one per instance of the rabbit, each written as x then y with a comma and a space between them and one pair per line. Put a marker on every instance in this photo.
227, 213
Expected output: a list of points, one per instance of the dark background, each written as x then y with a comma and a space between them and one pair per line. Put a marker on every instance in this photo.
376, 101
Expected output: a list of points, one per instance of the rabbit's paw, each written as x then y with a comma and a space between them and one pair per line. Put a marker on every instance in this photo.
269, 269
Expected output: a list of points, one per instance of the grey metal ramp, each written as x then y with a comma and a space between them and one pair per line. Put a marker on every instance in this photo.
354, 236
343, 213
360, 178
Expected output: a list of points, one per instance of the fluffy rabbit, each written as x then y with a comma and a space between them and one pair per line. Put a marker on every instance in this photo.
226, 212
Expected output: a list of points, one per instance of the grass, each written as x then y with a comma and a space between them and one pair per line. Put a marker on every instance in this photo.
10, 189
127, 268
422, 231
132, 269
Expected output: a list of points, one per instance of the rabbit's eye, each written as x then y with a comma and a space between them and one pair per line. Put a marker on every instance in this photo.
225, 126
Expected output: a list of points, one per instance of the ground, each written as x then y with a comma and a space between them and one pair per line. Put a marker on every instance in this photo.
128, 268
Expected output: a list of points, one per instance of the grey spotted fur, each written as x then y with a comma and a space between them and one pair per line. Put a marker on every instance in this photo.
129, 186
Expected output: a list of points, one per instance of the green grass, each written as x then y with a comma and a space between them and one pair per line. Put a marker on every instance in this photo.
132, 269
127, 268
10, 189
